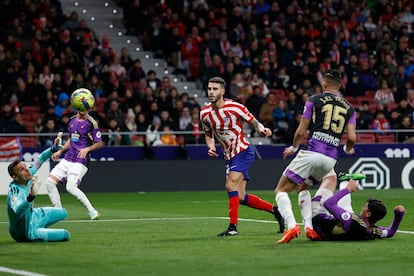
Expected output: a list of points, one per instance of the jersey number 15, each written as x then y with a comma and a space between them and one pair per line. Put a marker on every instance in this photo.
334, 118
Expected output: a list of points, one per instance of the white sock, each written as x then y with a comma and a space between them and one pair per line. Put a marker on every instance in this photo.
343, 184
73, 189
285, 208
53, 192
346, 201
317, 206
304, 201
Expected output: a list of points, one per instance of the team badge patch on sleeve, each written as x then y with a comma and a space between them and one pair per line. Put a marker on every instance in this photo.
346, 216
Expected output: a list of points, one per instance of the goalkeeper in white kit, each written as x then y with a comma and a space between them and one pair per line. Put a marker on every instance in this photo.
28, 224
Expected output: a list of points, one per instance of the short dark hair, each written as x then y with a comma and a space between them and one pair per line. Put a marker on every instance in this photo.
333, 75
377, 209
11, 166
219, 81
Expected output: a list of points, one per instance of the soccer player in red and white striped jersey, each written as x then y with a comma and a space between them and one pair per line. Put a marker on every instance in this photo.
223, 122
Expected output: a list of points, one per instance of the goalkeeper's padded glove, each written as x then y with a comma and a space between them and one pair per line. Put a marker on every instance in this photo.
30, 198
56, 148
58, 143
36, 183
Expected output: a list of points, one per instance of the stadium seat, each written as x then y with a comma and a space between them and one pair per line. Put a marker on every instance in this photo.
27, 117
352, 101
385, 138
279, 93
180, 139
29, 125
370, 93
392, 106
368, 99
366, 138
137, 140
30, 108
129, 85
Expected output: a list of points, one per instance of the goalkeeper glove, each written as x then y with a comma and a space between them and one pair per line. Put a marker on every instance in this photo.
58, 143
30, 198
36, 183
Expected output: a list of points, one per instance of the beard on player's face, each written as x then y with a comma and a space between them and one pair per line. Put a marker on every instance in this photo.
215, 99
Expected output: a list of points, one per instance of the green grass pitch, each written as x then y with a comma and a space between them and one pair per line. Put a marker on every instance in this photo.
175, 234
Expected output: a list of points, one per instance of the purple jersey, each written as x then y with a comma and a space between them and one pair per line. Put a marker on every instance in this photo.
82, 133
329, 114
343, 225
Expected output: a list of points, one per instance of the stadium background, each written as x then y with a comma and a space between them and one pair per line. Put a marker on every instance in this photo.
387, 166
385, 162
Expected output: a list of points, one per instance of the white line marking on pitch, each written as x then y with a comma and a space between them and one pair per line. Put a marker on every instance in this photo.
184, 218
19, 272
194, 218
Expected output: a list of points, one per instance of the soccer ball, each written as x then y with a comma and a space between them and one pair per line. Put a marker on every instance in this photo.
82, 99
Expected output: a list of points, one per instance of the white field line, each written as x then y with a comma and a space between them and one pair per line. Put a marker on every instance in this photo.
28, 273
183, 218
19, 272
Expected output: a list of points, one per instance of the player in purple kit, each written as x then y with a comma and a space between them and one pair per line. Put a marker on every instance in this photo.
84, 137
327, 116
337, 221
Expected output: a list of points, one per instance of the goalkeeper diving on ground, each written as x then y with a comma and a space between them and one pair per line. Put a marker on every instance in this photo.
28, 224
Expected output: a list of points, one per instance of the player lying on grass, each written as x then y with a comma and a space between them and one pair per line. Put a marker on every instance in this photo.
26, 223
335, 219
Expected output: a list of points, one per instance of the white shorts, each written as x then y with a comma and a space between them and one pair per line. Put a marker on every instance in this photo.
310, 167
67, 171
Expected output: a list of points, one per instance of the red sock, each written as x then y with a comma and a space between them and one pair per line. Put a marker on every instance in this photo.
256, 202
233, 207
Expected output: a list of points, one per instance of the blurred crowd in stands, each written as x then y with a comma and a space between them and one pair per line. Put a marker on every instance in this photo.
271, 53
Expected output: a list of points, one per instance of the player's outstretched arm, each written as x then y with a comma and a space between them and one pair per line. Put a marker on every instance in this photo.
46, 154
389, 232
259, 127
350, 142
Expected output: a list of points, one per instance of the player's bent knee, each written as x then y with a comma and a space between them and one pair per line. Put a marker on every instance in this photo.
63, 213
50, 182
71, 187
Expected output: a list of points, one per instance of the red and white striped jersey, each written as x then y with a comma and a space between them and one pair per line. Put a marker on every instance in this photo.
226, 124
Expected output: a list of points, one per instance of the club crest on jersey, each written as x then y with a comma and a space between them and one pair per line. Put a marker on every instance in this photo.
226, 119
346, 216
